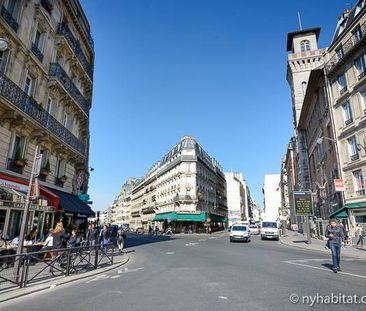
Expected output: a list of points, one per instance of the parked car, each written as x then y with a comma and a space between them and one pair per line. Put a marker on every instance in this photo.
254, 229
270, 230
239, 233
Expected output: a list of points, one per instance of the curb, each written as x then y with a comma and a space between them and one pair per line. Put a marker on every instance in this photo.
319, 250
19, 292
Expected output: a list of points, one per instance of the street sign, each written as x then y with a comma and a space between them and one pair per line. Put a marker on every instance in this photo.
339, 184
303, 203
84, 197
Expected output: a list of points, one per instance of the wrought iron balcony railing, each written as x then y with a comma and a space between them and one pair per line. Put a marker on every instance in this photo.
9, 19
356, 40
65, 31
348, 122
57, 71
355, 157
17, 97
343, 90
360, 192
35, 50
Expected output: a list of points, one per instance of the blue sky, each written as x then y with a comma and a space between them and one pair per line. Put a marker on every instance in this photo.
215, 69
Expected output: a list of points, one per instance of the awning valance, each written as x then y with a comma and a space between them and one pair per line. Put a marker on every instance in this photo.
356, 205
174, 216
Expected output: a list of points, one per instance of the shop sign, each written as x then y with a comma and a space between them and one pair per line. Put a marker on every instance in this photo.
189, 212
12, 185
31, 207
339, 184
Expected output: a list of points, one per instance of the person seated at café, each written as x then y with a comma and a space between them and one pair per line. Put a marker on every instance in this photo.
31, 237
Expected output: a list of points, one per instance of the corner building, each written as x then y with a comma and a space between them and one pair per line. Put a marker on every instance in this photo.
46, 82
185, 189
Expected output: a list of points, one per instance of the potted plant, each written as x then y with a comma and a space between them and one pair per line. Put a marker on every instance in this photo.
62, 179
45, 170
19, 160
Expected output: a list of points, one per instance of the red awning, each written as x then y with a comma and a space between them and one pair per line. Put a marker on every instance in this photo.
43, 190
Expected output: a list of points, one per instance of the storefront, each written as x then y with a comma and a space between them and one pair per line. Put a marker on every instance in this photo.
12, 203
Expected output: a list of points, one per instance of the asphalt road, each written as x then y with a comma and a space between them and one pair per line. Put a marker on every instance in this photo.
209, 273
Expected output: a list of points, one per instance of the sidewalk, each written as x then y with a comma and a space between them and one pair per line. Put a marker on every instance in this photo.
57, 281
298, 240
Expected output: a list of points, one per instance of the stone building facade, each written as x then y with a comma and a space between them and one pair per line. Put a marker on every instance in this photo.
185, 189
46, 82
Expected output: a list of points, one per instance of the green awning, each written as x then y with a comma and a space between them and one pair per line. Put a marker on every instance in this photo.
174, 216
217, 218
192, 217
340, 214
356, 205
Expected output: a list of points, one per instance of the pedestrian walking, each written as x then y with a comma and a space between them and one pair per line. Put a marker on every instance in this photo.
73, 239
359, 235
91, 235
121, 237
335, 234
59, 236
156, 230
150, 230
105, 235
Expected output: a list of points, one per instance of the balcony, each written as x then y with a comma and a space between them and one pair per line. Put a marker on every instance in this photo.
65, 31
13, 167
361, 75
348, 49
35, 50
360, 192
343, 90
348, 122
57, 72
18, 98
355, 157
9, 19
185, 198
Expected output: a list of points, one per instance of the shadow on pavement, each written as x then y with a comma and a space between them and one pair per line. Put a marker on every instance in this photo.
134, 240
327, 265
302, 241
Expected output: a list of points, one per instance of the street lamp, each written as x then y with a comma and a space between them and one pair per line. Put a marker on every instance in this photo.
319, 141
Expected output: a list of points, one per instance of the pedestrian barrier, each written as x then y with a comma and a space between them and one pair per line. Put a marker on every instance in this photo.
42, 266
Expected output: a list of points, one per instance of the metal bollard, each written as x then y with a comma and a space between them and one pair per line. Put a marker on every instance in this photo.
68, 263
96, 251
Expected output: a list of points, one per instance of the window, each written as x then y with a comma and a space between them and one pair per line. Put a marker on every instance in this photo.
339, 52
303, 86
65, 119
37, 39
45, 157
360, 66
347, 111
353, 150
49, 105
342, 83
357, 34
19, 143
28, 86
358, 182
60, 169
305, 45
12, 6
363, 99
3, 60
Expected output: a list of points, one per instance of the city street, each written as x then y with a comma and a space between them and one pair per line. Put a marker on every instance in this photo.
200, 272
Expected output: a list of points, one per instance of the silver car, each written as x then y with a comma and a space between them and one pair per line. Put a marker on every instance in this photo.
254, 229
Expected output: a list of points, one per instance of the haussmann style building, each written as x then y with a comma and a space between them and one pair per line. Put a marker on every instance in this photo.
46, 82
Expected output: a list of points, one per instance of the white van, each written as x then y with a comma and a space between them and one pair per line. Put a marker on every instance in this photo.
270, 230
239, 232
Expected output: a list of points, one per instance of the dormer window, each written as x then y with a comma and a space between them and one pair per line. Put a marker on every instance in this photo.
305, 45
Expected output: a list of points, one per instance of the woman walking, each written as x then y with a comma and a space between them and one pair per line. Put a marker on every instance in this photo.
59, 236
359, 235
335, 234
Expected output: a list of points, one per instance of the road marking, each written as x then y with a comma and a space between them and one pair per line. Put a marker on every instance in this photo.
98, 278
170, 253
191, 244
222, 297
126, 270
201, 240
115, 276
212, 238
297, 263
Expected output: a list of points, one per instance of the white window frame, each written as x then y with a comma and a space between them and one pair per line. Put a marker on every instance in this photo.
305, 45
342, 88
363, 99
60, 168
30, 91
353, 149
360, 66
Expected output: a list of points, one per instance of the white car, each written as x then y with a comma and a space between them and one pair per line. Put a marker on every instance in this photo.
270, 230
239, 233
254, 229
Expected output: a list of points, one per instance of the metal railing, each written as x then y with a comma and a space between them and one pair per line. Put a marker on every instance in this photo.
13, 167
355, 157
347, 47
43, 266
16, 96
35, 50
57, 71
64, 30
10, 20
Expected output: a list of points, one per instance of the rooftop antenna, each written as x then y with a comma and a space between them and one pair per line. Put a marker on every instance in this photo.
299, 18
